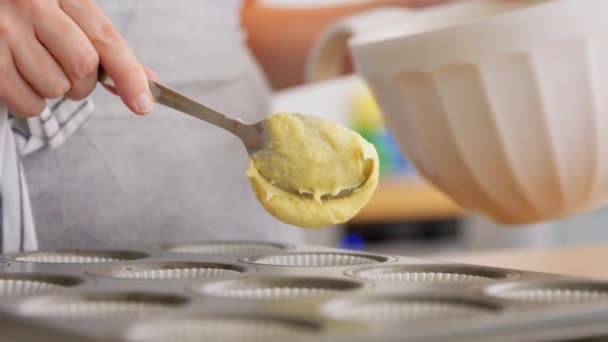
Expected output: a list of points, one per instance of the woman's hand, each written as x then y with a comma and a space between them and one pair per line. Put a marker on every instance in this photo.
53, 48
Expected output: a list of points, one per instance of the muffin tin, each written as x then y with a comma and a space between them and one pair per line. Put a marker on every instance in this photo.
259, 291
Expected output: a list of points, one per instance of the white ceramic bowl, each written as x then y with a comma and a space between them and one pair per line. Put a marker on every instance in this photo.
499, 104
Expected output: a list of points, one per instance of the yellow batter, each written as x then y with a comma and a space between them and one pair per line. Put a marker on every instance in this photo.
306, 165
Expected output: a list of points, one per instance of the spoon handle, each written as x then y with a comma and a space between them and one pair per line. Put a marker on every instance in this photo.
251, 135
171, 98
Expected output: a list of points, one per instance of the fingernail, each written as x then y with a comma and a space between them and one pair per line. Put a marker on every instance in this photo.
144, 102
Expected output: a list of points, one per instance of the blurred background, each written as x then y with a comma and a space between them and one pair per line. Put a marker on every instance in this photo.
406, 215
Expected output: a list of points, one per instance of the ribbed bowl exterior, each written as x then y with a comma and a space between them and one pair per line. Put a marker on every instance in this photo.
506, 115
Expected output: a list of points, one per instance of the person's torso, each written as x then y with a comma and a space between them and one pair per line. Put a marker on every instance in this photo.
126, 180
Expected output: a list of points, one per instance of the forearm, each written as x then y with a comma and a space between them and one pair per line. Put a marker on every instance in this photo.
281, 38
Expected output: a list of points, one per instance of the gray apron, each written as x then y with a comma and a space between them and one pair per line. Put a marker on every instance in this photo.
125, 180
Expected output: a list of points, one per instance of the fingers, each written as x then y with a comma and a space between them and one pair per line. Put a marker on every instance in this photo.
152, 75
40, 69
82, 88
114, 54
72, 49
15, 92
52, 48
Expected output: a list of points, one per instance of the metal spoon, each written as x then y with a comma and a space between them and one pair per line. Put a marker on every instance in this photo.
253, 136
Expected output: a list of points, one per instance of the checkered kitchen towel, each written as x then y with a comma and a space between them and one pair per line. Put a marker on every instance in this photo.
19, 137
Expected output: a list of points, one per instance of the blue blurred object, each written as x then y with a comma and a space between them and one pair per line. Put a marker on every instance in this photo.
367, 120
352, 242
398, 163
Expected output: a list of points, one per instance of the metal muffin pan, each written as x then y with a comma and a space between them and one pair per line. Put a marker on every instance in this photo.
432, 274
227, 247
214, 290
552, 292
399, 308
279, 288
99, 305
77, 256
30, 283
317, 259
222, 328
170, 271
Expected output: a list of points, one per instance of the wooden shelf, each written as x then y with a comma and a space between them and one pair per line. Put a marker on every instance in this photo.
407, 198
